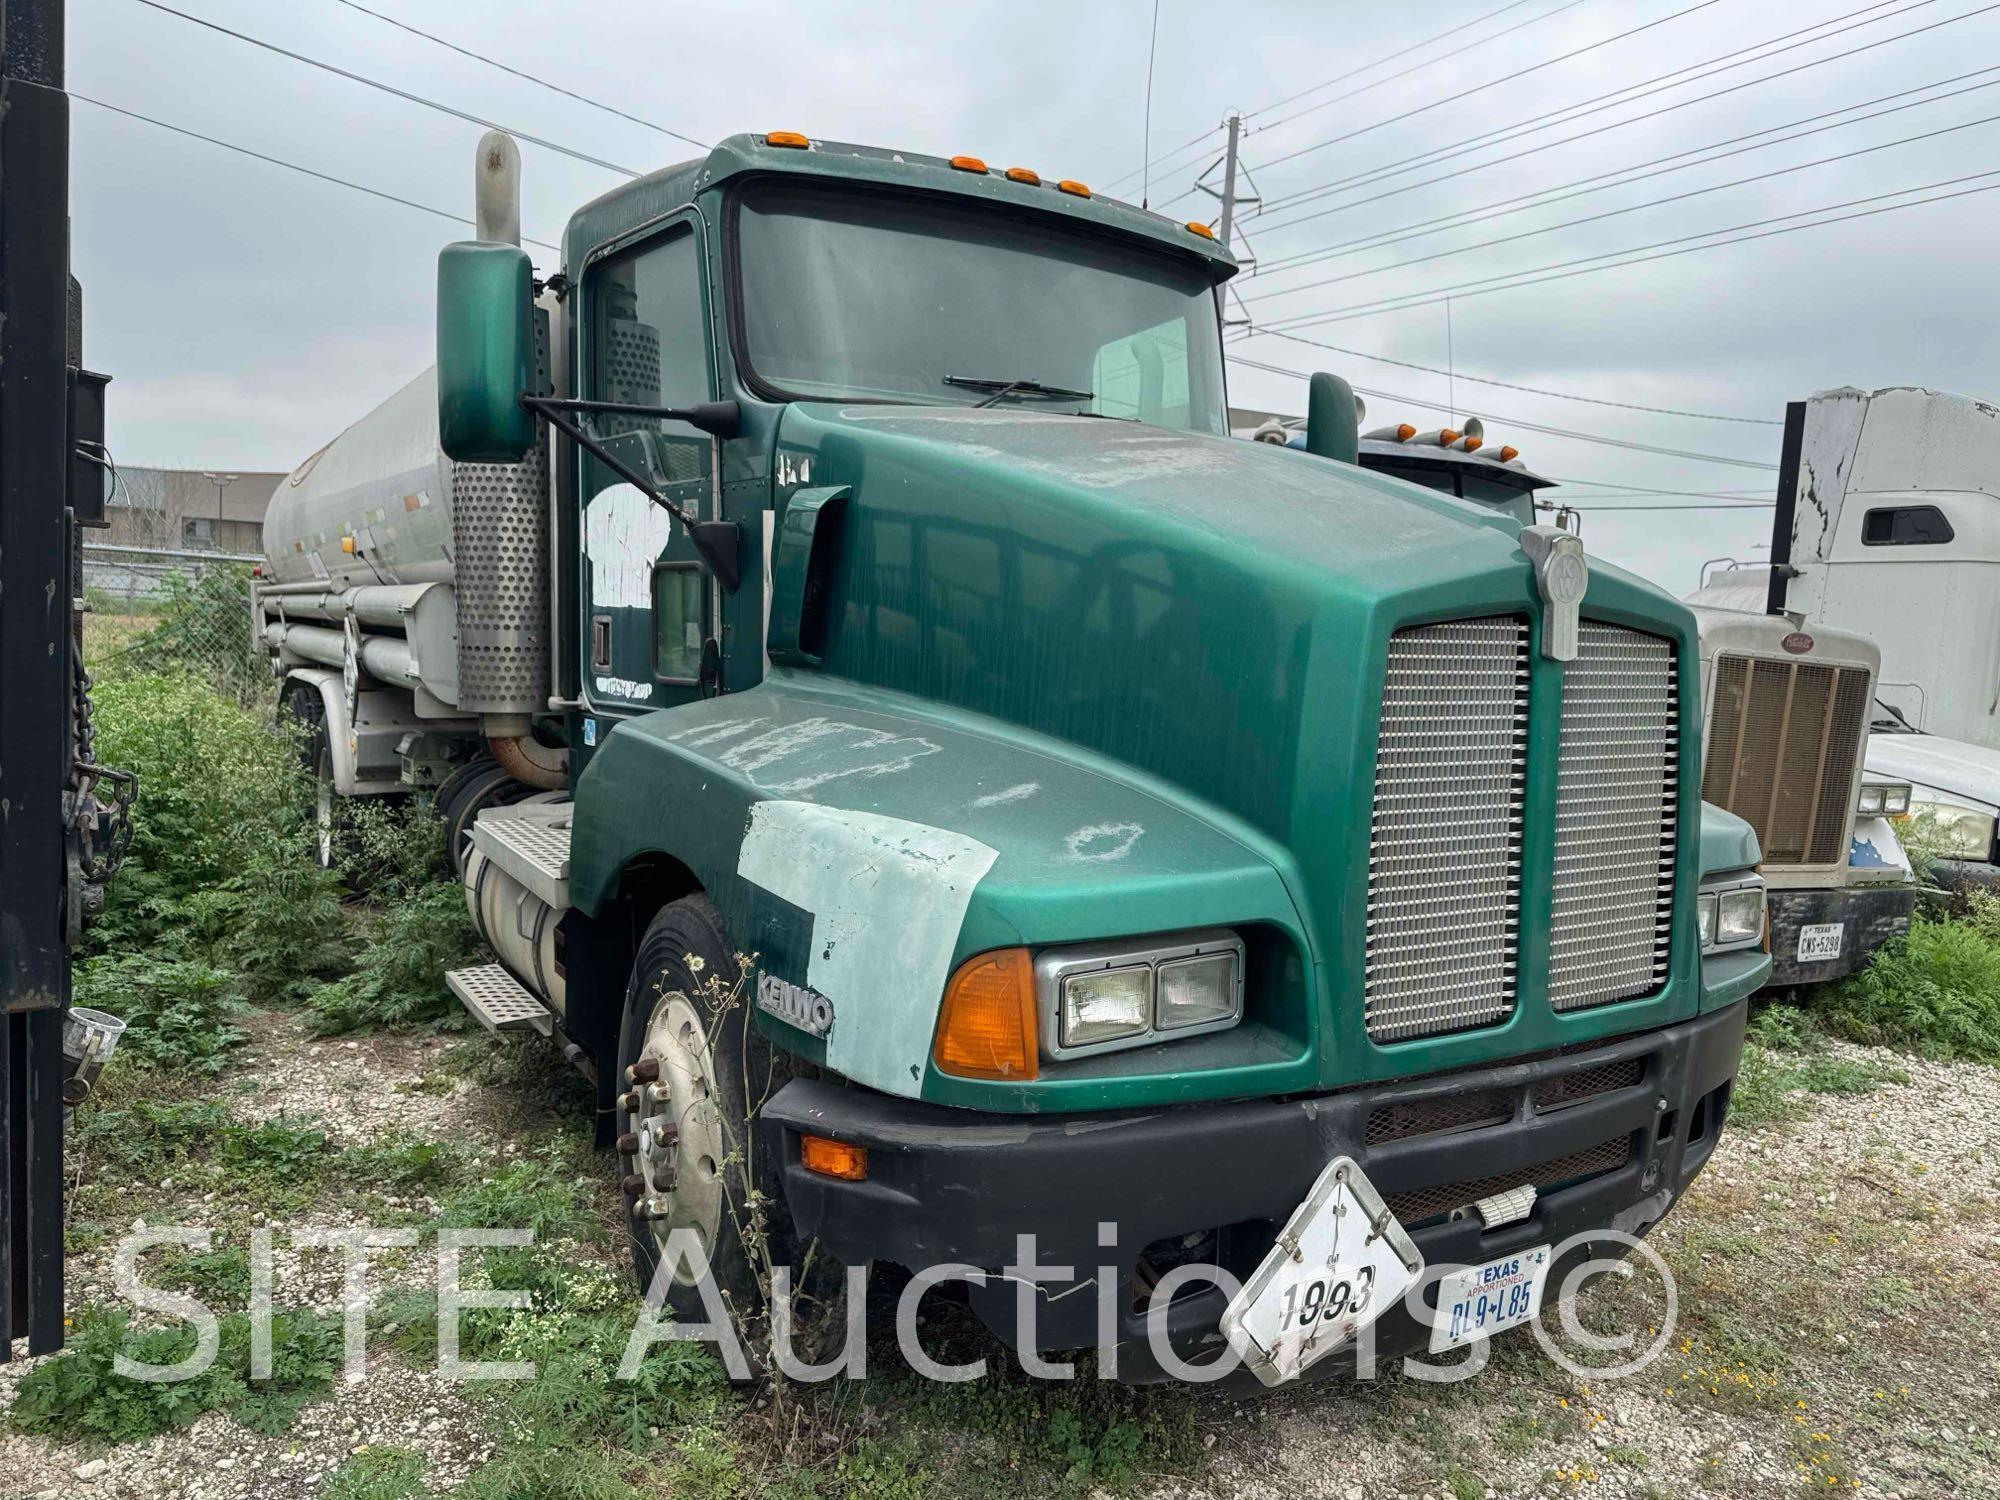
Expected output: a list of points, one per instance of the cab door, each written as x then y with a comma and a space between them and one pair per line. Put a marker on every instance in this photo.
647, 603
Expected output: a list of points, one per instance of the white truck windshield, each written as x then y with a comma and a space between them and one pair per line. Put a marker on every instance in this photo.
881, 296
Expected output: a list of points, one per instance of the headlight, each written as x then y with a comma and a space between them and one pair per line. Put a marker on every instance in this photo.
1884, 798
1963, 832
1730, 913
1101, 997
1106, 1006
1741, 917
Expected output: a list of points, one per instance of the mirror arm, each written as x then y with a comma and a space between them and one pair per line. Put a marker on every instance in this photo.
716, 541
716, 418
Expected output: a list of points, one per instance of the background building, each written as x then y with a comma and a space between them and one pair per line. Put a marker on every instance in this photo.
201, 510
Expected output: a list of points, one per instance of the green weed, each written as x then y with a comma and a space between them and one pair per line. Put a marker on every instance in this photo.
379, 1474
178, 1013
79, 1394
399, 980
1934, 991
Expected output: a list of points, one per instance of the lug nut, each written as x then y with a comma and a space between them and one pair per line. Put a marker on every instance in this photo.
628, 1144
628, 1102
632, 1184
645, 1070
666, 1133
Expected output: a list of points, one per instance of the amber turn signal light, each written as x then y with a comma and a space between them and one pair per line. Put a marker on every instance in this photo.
986, 1027
787, 138
830, 1158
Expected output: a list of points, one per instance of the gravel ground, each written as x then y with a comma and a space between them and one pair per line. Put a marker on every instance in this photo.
1839, 1275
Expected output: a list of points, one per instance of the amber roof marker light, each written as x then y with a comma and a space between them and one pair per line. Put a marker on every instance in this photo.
1073, 188
1025, 175
1195, 226
790, 138
967, 164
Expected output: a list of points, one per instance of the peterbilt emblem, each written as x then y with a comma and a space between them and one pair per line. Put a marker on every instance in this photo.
1562, 576
806, 1009
1798, 643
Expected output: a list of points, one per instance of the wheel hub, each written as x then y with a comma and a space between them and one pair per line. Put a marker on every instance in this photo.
675, 1146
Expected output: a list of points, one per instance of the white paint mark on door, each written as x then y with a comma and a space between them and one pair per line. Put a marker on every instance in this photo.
623, 534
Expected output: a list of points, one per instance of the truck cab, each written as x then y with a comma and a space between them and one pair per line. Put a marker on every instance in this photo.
1888, 525
1075, 822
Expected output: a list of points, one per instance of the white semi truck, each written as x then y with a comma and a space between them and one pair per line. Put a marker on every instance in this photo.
1888, 524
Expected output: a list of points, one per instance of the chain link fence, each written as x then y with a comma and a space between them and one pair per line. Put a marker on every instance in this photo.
154, 609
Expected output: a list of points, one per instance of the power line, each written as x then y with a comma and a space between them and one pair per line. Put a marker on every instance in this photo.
389, 88
494, 62
1527, 426
1568, 114
1508, 80
1204, 136
1146, 143
1564, 271
1433, 60
1502, 208
292, 166
1612, 213
1533, 390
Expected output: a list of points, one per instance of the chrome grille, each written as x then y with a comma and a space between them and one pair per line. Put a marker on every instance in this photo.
1783, 739
1444, 858
1617, 785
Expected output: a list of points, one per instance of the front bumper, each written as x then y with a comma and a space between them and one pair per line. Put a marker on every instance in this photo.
1869, 917
1608, 1134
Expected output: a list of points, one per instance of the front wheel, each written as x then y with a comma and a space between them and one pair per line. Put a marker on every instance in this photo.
696, 1073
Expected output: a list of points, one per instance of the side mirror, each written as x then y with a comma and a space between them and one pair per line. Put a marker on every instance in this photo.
485, 352
1333, 419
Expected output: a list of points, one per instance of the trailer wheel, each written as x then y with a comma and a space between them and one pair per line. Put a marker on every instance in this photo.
687, 1055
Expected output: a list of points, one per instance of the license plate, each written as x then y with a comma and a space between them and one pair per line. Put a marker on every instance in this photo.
1820, 941
1480, 1301
1340, 1262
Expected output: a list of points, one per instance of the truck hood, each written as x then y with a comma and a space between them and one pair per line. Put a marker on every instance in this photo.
1208, 615
1955, 767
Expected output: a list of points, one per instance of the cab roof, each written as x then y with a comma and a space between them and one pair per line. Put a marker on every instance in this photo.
630, 206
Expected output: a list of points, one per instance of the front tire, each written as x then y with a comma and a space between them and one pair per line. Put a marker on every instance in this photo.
695, 1073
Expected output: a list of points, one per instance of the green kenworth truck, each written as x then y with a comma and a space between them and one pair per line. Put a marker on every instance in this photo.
1186, 851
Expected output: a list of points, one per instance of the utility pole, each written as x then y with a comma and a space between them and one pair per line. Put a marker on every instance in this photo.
221, 482
1228, 225
1231, 199
38, 335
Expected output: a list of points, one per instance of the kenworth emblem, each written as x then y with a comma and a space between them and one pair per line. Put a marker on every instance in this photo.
1562, 576
806, 1009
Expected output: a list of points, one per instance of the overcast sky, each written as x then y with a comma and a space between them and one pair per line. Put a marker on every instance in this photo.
248, 313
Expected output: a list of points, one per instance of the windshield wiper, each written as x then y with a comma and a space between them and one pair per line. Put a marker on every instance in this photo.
1002, 389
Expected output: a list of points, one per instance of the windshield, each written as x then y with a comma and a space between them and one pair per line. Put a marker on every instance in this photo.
851, 294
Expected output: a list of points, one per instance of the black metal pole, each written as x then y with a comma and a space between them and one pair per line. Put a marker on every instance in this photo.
35, 664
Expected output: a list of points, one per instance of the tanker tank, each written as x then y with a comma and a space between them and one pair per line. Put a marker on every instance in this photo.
371, 507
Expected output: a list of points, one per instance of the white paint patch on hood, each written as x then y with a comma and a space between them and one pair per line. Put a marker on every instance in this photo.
623, 535
887, 898
1956, 767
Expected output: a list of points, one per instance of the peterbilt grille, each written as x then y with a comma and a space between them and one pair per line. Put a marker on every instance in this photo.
1782, 741
1617, 790
1444, 861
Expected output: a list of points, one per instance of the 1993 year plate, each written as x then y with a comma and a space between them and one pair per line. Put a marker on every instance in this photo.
1340, 1262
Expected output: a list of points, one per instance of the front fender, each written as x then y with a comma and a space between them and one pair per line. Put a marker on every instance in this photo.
1729, 847
861, 844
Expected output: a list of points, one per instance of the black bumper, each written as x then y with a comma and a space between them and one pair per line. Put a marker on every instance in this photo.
1869, 917
1609, 1135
